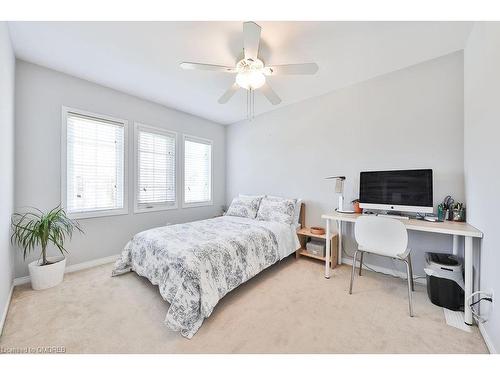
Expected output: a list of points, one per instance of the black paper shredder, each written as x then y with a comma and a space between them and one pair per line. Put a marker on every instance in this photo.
445, 280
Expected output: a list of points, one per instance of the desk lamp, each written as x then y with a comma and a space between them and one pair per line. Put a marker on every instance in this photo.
339, 189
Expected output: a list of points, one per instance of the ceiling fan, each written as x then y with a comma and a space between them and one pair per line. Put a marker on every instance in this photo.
251, 71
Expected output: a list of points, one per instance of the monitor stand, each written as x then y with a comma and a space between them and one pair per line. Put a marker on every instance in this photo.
394, 215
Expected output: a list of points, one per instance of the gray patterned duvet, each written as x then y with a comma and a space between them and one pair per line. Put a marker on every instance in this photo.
196, 264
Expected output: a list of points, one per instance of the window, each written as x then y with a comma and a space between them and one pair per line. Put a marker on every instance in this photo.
155, 158
93, 164
197, 171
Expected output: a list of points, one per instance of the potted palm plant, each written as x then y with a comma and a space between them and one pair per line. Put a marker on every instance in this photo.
39, 229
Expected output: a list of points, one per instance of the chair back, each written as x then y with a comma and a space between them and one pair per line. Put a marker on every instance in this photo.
381, 235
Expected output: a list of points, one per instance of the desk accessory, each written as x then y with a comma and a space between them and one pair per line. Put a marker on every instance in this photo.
458, 212
317, 230
442, 212
448, 202
339, 189
316, 247
357, 209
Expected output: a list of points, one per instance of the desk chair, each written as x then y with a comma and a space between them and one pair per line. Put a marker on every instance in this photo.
386, 237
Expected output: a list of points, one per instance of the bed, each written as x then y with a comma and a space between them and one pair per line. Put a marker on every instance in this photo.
196, 264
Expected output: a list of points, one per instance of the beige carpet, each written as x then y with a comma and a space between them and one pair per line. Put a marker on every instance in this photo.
289, 308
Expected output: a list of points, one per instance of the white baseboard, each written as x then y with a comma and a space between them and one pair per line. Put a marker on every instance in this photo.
6, 309
92, 263
487, 339
387, 271
75, 267
21, 280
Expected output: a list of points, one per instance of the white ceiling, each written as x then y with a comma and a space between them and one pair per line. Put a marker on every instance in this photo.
142, 58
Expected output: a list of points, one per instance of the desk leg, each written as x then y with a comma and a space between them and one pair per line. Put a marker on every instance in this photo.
455, 244
339, 256
327, 250
468, 279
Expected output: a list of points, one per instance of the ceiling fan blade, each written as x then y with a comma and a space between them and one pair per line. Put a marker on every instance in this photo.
229, 93
251, 40
270, 94
198, 66
309, 68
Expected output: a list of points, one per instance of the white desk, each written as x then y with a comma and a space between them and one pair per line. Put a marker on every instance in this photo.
448, 227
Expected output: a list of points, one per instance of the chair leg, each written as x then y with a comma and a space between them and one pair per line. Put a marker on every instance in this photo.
411, 273
353, 270
408, 273
361, 262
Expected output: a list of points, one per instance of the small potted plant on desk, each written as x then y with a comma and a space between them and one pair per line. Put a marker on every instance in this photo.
357, 209
37, 228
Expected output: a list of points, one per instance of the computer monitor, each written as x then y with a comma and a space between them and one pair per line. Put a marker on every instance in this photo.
403, 190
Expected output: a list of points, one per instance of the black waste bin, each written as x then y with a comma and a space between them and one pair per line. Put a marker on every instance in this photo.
445, 280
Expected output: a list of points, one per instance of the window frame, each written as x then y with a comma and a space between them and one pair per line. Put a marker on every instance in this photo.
64, 164
208, 142
138, 126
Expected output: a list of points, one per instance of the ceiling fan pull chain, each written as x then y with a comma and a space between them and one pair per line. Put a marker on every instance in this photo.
250, 96
253, 104
250, 104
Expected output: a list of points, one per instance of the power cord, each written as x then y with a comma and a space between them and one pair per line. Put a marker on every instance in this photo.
475, 314
481, 299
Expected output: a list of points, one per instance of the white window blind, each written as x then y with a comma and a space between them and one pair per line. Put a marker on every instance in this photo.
197, 171
94, 164
155, 168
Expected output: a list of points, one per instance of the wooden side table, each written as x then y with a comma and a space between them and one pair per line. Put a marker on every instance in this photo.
305, 233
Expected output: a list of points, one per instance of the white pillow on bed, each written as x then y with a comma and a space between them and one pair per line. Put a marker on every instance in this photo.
298, 204
244, 206
277, 209
251, 196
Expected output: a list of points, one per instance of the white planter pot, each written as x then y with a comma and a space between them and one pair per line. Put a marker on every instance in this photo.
44, 277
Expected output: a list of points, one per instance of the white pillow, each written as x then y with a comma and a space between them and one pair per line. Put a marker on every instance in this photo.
277, 209
298, 204
251, 196
297, 212
244, 207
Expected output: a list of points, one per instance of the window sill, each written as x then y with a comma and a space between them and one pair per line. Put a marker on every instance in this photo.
141, 210
197, 204
95, 214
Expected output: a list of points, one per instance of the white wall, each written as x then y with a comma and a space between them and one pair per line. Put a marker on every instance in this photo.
412, 118
40, 93
482, 134
7, 68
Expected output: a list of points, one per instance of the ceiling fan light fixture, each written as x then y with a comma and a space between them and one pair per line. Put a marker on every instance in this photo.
250, 80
